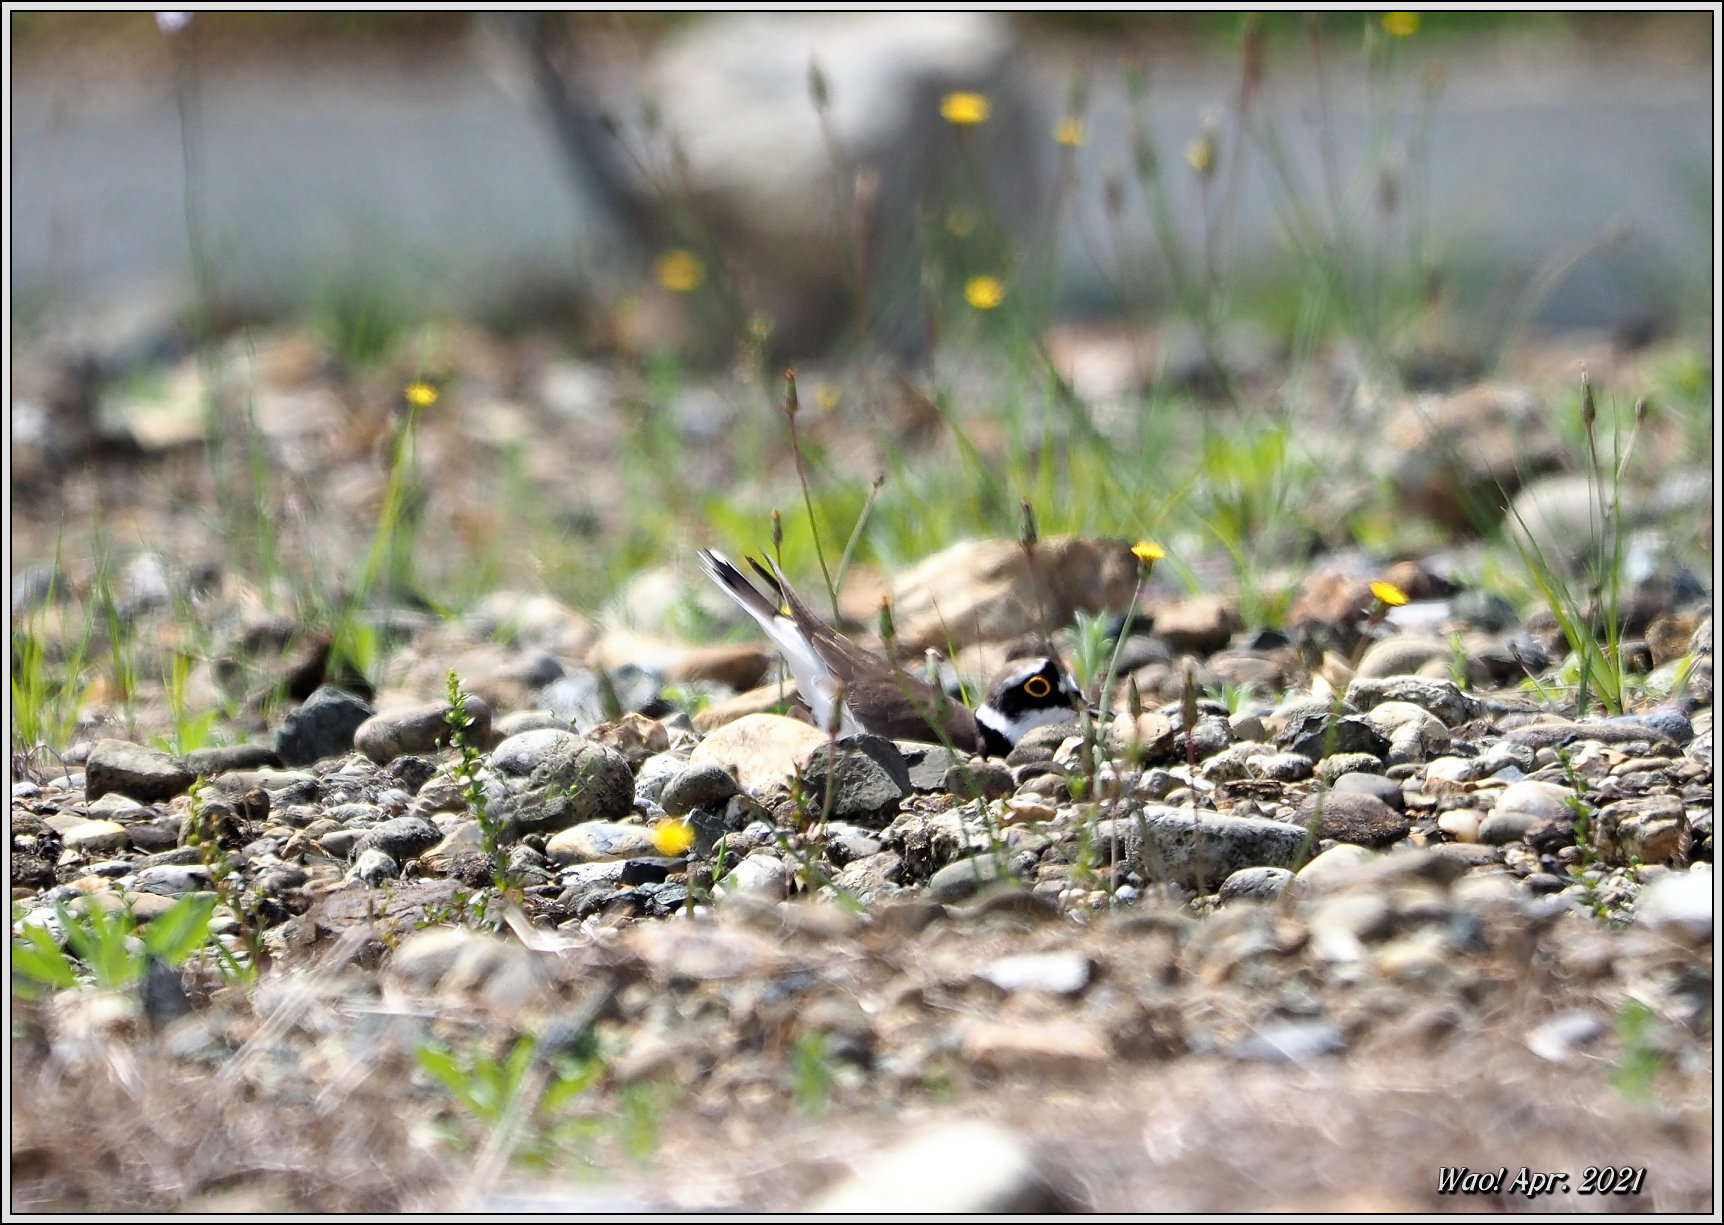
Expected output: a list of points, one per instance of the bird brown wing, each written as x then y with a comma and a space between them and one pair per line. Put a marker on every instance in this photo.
875, 689
879, 704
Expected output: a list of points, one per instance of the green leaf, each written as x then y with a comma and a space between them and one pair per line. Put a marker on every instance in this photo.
38, 957
181, 930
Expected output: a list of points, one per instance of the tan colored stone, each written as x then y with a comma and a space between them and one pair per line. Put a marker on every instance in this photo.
764, 751
1060, 1045
740, 667
754, 702
987, 591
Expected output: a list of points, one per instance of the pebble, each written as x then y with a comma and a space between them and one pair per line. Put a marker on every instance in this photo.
1679, 901
1461, 824
1281, 767
1355, 816
1289, 1042
553, 780
598, 842
322, 726
853, 785
171, 880
1559, 1038
1031, 1047
764, 751
401, 838
144, 774
960, 879
760, 873
419, 729
373, 867
967, 1167
1200, 850
1335, 867
654, 774
94, 837
705, 785
1257, 883
1383, 788
1339, 765
1055, 973
1650, 829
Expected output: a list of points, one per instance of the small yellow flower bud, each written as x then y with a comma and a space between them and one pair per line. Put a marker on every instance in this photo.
679, 271
984, 292
964, 109
671, 836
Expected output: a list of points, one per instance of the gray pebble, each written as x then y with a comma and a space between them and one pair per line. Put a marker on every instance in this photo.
373, 867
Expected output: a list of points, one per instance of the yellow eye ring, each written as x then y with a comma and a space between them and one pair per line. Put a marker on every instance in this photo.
1038, 687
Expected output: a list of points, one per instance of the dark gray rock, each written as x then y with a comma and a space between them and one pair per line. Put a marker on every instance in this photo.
1262, 883
1502, 826
959, 880
420, 729
927, 768
322, 726
1385, 789
401, 838
980, 778
705, 785
1441, 698
339, 843
171, 880
1672, 724
1040, 743
1343, 764
219, 759
861, 789
885, 753
1317, 735
1200, 849
554, 780
872, 877
654, 774
1485, 610
846, 843
1356, 817
142, 773
1554, 735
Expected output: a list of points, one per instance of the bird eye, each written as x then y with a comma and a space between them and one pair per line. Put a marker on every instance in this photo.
1038, 687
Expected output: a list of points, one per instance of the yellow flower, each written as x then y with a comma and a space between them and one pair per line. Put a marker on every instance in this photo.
1201, 154
984, 292
964, 109
1401, 25
1389, 594
420, 394
1069, 131
1148, 552
679, 271
672, 836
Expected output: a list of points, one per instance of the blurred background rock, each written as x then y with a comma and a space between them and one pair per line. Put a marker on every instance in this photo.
524, 168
